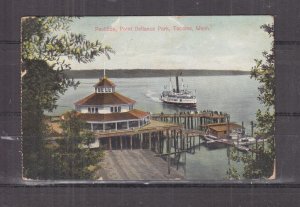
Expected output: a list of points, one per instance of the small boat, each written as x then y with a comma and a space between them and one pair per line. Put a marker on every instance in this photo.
247, 141
209, 137
243, 148
179, 96
211, 141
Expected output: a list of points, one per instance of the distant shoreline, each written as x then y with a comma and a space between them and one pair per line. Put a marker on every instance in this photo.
136, 73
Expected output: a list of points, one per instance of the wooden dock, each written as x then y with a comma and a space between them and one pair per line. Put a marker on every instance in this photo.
136, 165
170, 136
192, 120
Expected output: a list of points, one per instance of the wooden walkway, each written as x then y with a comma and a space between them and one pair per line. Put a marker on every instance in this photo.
192, 120
194, 115
136, 165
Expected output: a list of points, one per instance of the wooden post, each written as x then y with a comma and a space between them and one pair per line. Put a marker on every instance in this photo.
130, 142
109, 140
92, 128
181, 140
168, 151
175, 141
150, 141
121, 144
187, 140
252, 127
162, 143
141, 140
159, 142
194, 144
156, 142
193, 140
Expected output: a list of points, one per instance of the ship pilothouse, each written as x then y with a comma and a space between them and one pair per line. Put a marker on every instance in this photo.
179, 96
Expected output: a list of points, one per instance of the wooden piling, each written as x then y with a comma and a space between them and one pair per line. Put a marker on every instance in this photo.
150, 144
109, 140
141, 140
121, 144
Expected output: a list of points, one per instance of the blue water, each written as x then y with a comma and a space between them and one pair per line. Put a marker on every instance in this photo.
236, 95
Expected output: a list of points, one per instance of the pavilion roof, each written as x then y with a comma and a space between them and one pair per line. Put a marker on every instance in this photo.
114, 98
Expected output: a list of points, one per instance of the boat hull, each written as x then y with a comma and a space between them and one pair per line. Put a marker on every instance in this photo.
184, 105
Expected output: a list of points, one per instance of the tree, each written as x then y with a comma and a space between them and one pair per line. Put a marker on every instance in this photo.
41, 89
68, 157
264, 73
49, 39
46, 43
71, 159
261, 164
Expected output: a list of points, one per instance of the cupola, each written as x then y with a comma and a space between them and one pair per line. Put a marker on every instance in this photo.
104, 85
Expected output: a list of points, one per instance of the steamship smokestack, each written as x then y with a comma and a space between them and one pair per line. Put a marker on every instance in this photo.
177, 84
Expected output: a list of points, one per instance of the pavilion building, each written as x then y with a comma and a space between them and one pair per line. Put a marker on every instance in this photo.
108, 110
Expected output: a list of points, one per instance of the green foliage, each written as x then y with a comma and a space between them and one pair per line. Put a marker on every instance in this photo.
261, 164
42, 86
264, 72
66, 157
46, 45
50, 39
233, 174
71, 160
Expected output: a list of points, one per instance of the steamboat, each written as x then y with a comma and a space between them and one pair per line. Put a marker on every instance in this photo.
179, 96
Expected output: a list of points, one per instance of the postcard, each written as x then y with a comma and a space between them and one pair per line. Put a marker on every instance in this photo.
148, 98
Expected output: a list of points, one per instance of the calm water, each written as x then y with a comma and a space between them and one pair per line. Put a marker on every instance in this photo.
236, 95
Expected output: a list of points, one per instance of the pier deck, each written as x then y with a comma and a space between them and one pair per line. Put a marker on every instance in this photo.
153, 126
194, 115
136, 165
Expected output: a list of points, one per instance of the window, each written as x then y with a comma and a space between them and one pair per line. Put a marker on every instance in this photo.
93, 109
89, 110
115, 109
96, 110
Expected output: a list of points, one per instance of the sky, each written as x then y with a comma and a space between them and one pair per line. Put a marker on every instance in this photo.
176, 42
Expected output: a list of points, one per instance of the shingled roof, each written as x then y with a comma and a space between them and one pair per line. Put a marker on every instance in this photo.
105, 99
130, 115
219, 127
